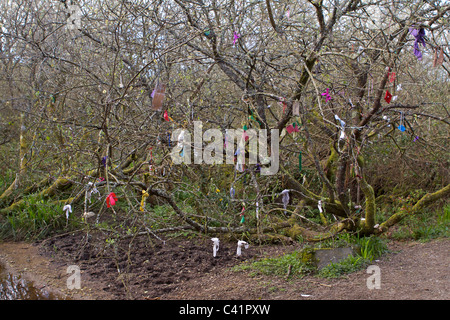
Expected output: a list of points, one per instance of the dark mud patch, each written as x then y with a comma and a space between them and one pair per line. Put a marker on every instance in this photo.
140, 267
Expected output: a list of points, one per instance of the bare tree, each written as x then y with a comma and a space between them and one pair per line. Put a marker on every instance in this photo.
82, 76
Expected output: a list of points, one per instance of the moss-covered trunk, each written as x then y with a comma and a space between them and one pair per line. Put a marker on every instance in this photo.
416, 209
23, 159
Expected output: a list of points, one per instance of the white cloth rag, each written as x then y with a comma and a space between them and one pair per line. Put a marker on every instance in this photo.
341, 122
90, 190
215, 246
285, 199
239, 247
68, 209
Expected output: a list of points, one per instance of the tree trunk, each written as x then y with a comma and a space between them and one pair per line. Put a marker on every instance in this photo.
23, 158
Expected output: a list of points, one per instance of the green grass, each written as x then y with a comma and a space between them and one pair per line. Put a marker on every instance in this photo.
36, 219
6, 179
369, 248
346, 266
425, 227
278, 266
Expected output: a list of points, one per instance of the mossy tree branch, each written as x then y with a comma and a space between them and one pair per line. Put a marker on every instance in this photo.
426, 200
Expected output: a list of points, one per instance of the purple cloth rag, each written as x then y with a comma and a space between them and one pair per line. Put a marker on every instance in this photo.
419, 35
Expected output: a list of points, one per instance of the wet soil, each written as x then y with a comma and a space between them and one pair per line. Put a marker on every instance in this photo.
146, 268
137, 268
27, 275
16, 287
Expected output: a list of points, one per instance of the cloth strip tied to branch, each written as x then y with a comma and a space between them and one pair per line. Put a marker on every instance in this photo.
239, 247
68, 209
285, 199
144, 196
419, 34
111, 200
215, 246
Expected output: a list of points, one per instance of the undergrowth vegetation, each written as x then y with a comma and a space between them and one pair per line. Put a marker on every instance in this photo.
287, 264
368, 249
425, 227
302, 262
36, 219
429, 225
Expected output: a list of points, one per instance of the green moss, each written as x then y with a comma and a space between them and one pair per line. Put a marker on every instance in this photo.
308, 256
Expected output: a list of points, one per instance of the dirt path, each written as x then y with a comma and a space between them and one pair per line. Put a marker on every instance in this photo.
24, 259
412, 271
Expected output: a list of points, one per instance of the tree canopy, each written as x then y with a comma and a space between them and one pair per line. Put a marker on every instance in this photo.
92, 90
